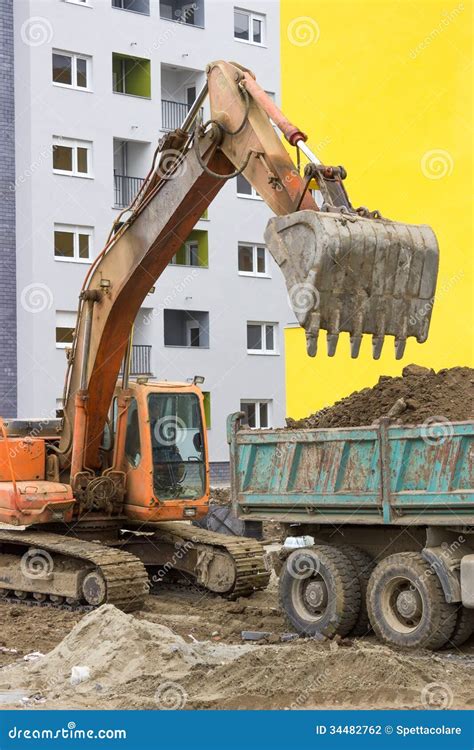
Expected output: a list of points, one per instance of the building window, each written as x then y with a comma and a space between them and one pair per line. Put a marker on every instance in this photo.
257, 413
73, 243
59, 408
186, 328
72, 157
245, 189
194, 252
136, 6
249, 26
131, 75
261, 338
191, 13
253, 260
71, 70
65, 326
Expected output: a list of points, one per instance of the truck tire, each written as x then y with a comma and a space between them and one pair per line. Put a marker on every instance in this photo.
463, 629
320, 591
406, 603
364, 565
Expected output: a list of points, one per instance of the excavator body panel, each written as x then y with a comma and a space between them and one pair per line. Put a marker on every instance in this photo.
346, 272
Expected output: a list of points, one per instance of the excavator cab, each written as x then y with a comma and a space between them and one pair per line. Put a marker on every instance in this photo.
161, 447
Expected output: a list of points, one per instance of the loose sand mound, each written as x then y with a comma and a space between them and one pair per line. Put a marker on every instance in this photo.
117, 648
423, 393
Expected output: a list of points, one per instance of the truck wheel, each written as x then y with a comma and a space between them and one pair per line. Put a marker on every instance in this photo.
320, 592
406, 603
364, 565
463, 629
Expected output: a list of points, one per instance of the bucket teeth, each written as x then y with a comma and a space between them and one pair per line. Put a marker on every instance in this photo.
355, 346
311, 344
400, 348
359, 276
332, 339
377, 345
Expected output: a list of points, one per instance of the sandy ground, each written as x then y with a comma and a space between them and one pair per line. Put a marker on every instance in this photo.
185, 650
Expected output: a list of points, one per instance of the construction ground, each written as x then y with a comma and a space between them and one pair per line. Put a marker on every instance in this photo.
185, 649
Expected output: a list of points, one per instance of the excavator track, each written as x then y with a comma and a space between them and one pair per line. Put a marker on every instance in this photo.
251, 573
125, 576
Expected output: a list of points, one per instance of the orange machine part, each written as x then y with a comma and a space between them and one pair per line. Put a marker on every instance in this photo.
24, 503
25, 456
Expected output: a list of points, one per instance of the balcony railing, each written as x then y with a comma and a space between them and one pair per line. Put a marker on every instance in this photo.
173, 114
140, 360
125, 189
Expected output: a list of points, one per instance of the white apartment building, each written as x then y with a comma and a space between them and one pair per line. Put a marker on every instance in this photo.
96, 84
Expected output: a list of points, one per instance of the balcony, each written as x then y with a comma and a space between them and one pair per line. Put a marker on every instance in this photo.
173, 114
140, 360
125, 189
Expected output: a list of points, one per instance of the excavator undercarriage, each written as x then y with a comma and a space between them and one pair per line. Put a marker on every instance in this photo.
59, 568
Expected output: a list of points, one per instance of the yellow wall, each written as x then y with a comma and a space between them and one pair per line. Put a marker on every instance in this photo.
385, 88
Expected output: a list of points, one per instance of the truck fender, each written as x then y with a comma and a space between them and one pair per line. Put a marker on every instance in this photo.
447, 570
467, 581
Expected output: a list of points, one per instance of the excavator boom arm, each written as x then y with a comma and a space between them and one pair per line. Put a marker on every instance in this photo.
190, 172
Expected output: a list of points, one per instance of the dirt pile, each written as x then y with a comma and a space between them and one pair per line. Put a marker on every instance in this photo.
114, 648
419, 394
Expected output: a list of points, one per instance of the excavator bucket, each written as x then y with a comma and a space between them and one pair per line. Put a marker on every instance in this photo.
362, 275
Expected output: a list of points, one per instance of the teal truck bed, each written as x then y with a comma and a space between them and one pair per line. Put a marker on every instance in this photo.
387, 475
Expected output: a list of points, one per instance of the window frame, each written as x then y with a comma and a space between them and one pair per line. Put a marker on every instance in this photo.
258, 402
252, 15
82, 3
253, 195
63, 344
254, 273
129, 10
263, 329
74, 144
75, 56
75, 230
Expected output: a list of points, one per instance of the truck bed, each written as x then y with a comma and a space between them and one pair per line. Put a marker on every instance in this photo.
392, 475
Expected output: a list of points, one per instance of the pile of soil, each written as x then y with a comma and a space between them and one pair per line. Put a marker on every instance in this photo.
116, 648
419, 394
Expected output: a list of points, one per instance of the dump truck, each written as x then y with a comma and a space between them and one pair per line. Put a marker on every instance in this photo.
91, 503
390, 513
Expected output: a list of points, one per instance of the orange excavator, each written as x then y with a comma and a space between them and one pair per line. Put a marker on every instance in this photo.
95, 505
